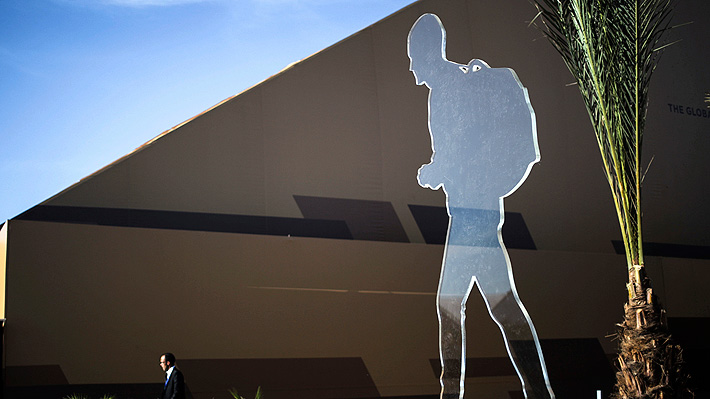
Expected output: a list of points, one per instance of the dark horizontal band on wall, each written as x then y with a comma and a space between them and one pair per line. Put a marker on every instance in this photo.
323, 218
280, 378
668, 250
136, 390
367, 220
195, 221
577, 367
433, 222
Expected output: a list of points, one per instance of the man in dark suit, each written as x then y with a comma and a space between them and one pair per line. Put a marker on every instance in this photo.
174, 387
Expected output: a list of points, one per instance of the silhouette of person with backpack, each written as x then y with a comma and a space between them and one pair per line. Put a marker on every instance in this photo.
484, 144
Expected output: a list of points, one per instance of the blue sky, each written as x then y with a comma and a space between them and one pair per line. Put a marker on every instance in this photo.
85, 82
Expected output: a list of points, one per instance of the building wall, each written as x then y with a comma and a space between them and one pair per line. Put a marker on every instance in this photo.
283, 230
80, 293
3, 266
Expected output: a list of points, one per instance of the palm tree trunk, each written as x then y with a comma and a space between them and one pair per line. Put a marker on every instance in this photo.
650, 364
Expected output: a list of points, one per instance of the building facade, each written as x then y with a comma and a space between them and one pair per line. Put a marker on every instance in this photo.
281, 239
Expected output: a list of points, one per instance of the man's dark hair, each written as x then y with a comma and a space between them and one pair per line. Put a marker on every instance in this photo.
169, 357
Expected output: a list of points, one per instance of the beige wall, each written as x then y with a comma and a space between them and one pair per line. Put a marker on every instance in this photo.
78, 291
136, 292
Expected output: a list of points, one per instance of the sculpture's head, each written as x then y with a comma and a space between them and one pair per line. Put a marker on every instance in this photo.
426, 47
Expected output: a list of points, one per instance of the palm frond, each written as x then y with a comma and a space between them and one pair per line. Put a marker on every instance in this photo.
258, 395
234, 393
611, 47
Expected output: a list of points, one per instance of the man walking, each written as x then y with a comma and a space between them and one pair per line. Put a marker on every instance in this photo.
174, 387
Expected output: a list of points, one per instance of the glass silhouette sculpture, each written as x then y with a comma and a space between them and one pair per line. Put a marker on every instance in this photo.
484, 144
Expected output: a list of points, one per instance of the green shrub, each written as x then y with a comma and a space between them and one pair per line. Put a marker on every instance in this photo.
235, 395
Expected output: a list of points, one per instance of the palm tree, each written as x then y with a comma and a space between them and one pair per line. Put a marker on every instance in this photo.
611, 47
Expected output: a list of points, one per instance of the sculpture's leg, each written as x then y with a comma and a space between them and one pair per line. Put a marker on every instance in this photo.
518, 331
454, 287
523, 347
452, 346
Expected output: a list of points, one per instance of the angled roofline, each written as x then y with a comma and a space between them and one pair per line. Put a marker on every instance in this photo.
172, 129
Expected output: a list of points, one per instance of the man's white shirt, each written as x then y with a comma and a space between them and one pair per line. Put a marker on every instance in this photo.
167, 374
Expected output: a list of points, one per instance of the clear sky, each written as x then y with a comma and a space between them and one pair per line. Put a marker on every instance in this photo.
85, 82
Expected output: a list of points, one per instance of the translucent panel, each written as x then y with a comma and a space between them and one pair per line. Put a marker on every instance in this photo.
484, 144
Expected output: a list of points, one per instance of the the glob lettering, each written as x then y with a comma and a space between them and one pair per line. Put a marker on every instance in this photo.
698, 112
